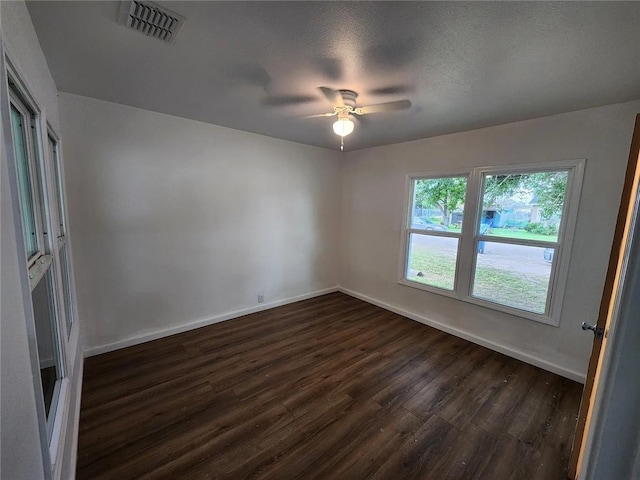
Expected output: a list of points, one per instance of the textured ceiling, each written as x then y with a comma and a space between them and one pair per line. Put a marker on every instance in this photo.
256, 66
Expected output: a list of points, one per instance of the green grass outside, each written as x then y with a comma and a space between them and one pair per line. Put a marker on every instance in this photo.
520, 234
526, 292
514, 233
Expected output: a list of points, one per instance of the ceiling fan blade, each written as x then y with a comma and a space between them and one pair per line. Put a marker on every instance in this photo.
320, 115
284, 100
333, 96
391, 90
383, 107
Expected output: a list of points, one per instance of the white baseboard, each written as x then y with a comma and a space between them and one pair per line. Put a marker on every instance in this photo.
509, 351
201, 323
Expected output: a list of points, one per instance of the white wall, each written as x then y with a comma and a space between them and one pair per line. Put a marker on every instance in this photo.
373, 189
179, 222
24, 455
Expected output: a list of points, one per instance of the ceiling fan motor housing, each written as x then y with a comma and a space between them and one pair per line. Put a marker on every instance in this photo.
349, 97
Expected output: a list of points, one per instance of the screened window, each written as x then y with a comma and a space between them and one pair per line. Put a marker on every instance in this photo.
496, 237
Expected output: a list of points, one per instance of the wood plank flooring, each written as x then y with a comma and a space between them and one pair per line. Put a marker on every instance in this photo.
327, 388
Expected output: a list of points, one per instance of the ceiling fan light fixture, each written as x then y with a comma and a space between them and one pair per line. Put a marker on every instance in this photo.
343, 126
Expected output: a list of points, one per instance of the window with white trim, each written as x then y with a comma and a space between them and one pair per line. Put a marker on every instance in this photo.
435, 230
42, 260
61, 231
498, 237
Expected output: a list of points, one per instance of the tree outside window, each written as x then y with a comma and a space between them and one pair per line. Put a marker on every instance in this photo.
511, 259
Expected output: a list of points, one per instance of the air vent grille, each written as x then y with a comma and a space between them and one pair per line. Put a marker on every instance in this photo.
150, 19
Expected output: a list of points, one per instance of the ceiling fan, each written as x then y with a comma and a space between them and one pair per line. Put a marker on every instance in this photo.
344, 106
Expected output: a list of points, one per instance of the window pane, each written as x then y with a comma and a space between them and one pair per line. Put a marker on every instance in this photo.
44, 312
525, 206
53, 149
24, 186
513, 275
438, 202
66, 286
432, 260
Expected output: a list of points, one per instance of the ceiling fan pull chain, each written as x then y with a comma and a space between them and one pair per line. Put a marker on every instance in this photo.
342, 144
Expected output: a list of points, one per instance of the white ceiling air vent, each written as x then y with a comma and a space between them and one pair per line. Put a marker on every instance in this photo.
150, 19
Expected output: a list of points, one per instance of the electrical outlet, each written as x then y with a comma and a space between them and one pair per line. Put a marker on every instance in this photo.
260, 298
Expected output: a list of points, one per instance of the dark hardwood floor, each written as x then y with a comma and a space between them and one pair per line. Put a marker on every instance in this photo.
327, 388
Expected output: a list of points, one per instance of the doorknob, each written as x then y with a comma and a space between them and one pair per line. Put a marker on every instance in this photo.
597, 331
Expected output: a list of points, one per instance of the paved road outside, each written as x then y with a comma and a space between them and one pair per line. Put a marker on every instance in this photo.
498, 255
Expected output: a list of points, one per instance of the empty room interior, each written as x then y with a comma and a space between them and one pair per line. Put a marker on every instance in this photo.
320, 240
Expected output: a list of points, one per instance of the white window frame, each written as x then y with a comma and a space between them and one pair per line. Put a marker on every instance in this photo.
30, 140
59, 235
407, 231
57, 179
469, 238
52, 433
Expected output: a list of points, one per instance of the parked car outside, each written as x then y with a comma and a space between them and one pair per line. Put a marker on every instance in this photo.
426, 224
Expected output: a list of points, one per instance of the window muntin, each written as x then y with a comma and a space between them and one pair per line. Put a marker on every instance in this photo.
538, 204
434, 230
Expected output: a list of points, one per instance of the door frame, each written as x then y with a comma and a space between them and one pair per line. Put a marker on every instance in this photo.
598, 418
